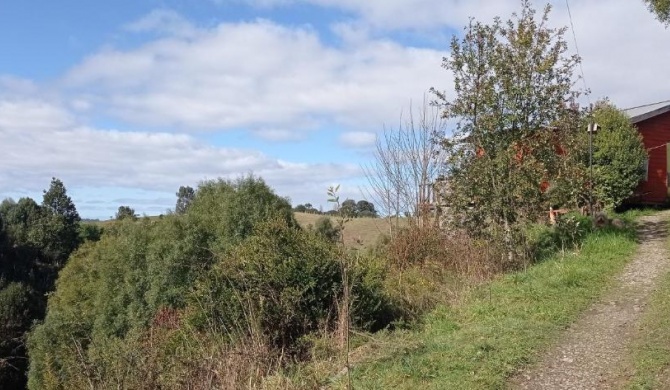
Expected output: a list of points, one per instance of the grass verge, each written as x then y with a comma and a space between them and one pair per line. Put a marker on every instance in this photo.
498, 327
651, 350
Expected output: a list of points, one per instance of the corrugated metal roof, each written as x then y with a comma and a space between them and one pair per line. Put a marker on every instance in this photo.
640, 113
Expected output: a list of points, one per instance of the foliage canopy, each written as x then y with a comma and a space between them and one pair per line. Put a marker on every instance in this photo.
514, 100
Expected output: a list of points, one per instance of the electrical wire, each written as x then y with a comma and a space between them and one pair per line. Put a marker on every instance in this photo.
574, 36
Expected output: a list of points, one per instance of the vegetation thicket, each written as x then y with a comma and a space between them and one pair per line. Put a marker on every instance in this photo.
234, 269
35, 242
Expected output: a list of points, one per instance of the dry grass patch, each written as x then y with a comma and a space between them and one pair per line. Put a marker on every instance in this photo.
358, 232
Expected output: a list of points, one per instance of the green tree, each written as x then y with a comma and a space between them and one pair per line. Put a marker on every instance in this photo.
61, 222
90, 232
23, 223
660, 8
310, 209
185, 197
348, 208
35, 241
618, 156
513, 101
125, 212
365, 209
301, 208
233, 208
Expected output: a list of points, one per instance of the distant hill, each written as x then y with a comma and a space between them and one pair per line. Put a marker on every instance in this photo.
358, 232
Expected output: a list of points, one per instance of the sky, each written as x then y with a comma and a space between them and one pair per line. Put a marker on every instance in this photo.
127, 100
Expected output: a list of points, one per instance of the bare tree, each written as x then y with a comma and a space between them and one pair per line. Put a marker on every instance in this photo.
406, 163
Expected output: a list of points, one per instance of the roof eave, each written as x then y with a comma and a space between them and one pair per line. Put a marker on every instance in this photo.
650, 114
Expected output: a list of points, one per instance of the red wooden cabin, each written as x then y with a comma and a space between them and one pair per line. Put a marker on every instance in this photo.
653, 123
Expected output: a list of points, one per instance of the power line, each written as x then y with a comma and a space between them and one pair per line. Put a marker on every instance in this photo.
574, 36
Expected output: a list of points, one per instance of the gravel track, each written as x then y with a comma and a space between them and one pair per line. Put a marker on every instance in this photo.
592, 352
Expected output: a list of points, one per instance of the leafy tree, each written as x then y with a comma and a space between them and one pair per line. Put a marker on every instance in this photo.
23, 222
61, 222
618, 156
301, 208
513, 85
660, 8
35, 242
185, 197
125, 212
365, 209
90, 232
348, 208
233, 208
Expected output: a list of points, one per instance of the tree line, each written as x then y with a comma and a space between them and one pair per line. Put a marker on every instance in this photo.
349, 208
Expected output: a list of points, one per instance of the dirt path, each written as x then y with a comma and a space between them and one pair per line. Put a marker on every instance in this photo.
592, 352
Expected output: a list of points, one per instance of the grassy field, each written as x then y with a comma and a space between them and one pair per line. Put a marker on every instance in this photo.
358, 232
498, 327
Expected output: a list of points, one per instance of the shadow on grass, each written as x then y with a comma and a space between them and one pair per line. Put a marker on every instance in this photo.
652, 230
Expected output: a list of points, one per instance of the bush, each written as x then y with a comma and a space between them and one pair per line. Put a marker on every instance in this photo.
16, 312
111, 290
229, 210
568, 233
283, 280
426, 266
371, 306
325, 228
618, 157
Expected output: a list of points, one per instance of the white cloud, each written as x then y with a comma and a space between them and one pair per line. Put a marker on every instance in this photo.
625, 50
17, 115
413, 14
255, 75
164, 21
40, 141
358, 139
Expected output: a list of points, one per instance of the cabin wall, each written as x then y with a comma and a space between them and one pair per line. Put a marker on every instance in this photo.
655, 133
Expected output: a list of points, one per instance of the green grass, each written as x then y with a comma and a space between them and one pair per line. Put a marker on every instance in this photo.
651, 349
498, 327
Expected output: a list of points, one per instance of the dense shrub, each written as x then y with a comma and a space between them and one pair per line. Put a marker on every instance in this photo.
567, 234
235, 269
325, 228
283, 278
35, 241
17, 303
426, 266
229, 210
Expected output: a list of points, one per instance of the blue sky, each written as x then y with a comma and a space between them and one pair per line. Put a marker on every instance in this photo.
127, 100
